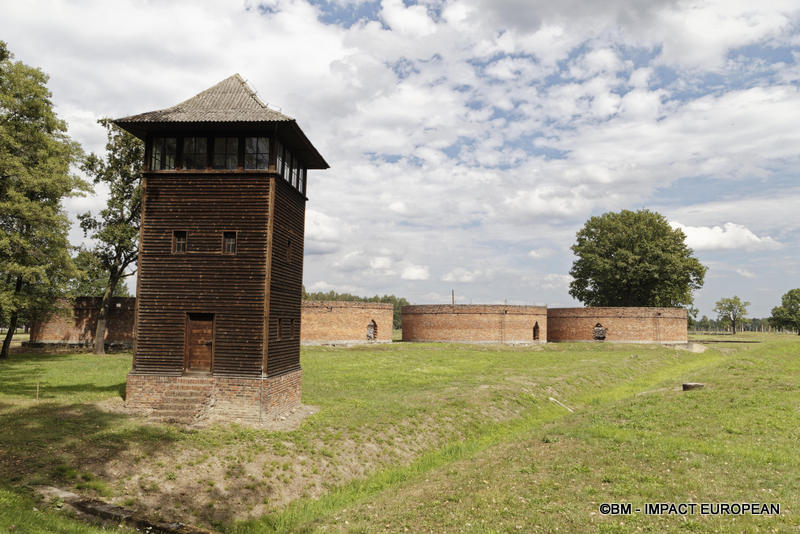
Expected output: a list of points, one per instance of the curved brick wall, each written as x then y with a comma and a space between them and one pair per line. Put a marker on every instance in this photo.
344, 322
632, 325
474, 323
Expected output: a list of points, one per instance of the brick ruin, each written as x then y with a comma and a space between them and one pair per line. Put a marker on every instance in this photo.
332, 322
618, 325
475, 323
74, 322
518, 324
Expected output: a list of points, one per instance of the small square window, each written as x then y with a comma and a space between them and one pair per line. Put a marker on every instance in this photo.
179, 241
229, 242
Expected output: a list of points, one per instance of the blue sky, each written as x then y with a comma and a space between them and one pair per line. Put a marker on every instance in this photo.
470, 139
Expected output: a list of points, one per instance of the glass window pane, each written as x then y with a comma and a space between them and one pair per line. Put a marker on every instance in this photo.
155, 153
262, 161
170, 150
194, 152
250, 145
250, 161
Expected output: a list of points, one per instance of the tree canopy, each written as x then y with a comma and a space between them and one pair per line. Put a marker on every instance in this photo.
91, 278
633, 258
116, 228
731, 310
787, 315
35, 159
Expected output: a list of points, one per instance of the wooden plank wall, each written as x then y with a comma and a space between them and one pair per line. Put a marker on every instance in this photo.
203, 280
287, 279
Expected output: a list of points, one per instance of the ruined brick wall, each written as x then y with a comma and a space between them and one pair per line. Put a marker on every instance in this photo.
76, 320
475, 323
344, 322
636, 325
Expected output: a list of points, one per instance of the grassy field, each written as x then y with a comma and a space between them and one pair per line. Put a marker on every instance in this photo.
429, 438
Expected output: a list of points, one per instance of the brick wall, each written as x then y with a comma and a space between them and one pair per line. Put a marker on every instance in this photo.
637, 325
223, 398
76, 320
344, 322
474, 323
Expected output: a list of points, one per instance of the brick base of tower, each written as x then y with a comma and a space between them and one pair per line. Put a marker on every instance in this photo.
194, 398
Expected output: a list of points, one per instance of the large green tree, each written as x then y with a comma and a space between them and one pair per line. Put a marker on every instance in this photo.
787, 315
731, 310
116, 227
633, 258
35, 159
91, 278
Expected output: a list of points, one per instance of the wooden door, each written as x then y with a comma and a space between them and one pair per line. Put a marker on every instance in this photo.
199, 342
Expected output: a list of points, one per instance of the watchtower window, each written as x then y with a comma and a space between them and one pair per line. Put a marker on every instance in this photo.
287, 170
226, 152
179, 239
229, 242
162, 153
194, 153
279, 158
302, 180
256, 152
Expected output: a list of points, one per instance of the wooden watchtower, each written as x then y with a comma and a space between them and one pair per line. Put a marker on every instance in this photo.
220, 255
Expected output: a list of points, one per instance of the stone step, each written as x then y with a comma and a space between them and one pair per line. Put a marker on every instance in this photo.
186, 395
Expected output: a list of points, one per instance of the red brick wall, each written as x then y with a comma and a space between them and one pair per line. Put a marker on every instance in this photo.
338, 321
224, 397
76, 321
474, 323
658, 325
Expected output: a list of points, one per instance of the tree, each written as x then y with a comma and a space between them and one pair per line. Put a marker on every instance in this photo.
116, 229
35, 159
633, 259
731, 310
91, 277
787, 315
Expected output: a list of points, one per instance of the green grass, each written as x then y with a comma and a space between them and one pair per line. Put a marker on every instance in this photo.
431, 437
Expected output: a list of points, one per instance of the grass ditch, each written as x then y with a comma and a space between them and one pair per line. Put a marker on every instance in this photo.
393, 419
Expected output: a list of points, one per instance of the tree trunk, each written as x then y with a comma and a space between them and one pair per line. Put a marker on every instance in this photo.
105, 304
12, 324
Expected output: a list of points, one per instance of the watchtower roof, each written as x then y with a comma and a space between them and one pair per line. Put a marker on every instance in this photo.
231, 100
230, 103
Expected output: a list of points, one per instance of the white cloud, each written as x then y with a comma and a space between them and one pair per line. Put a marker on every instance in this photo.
726, 237
466, 136
539, 253
415, 272
746, 273
459, 274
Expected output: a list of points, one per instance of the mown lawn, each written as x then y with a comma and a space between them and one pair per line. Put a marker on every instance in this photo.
429, 438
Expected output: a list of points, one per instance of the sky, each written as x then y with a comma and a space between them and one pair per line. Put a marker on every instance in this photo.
469, 140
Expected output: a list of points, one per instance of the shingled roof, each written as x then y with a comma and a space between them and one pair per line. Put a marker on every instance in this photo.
231, 102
